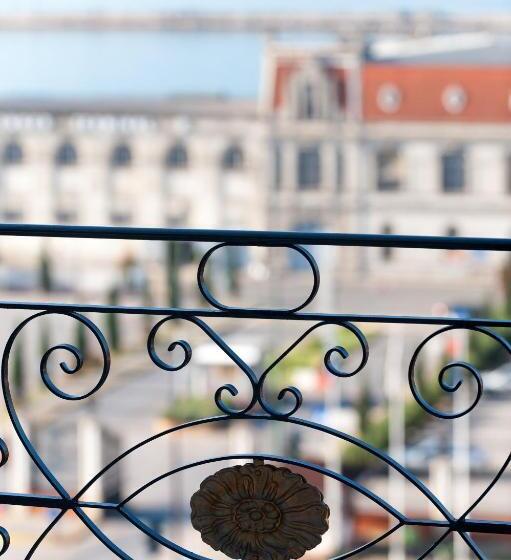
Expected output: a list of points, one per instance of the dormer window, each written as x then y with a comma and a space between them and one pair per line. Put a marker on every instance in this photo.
454, 99
313, 92
389, 98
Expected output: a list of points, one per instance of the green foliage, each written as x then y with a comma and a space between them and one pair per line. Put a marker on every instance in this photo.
173, 261
81, 338
186, 409
45, 273
113, 321
376, 432
486, 353
18, 375
309, 354
363, 407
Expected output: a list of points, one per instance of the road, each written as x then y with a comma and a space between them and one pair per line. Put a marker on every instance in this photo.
131, 407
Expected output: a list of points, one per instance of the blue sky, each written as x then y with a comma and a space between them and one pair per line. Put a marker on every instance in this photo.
255, 5
138, 64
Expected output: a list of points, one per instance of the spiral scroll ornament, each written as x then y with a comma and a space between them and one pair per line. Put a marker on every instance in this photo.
459, 365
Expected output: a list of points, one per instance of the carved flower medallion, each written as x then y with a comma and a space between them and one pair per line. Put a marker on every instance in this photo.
259, 512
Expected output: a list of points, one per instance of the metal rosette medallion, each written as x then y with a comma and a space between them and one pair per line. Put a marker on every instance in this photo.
259, 512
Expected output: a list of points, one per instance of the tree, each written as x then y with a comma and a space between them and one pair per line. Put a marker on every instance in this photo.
18, 374
81, 339
45, 272
112, 320
506, 281
173, 261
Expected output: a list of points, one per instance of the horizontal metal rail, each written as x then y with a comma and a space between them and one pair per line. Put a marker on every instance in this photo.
265, 402
179, 312
255, 237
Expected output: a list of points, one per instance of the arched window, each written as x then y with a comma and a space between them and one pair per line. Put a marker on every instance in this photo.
453, 171
13, 154
66, 154
177, 157
121, 156
232, 158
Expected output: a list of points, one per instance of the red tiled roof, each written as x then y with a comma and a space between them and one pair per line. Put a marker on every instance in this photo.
487, 89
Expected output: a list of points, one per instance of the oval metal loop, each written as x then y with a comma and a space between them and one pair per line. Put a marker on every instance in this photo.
208, 296
6, 540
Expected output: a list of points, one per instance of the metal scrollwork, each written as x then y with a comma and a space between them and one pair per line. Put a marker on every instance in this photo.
444, 383
329, 365
151, 349
257, 383
4, 534
72, 350
219, 394
208, 296
254, 511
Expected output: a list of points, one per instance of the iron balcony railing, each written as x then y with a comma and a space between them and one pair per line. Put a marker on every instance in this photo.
258, 407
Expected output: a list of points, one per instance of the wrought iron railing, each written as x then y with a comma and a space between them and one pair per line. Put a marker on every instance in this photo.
255, 519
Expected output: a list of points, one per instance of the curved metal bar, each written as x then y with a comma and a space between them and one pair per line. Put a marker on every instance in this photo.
487, 490
4, 453
98, 533
245, 368
11, 410
6, 540
44, 534
292, 420
16, 423
153, 354
327, 361
441, 377
160, 539
208, 296
435, 545
472, 545
277, 459
285, 460
370, 544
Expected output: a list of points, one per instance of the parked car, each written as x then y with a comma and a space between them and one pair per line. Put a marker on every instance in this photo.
497, 381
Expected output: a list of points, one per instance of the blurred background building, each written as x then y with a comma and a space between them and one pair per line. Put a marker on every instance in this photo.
366, 122
386, 135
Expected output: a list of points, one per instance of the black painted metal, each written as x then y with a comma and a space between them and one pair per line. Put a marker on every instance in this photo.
258, 407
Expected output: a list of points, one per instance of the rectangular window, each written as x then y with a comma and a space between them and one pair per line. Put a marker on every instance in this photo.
387, 252
309, 168
339, 169
453, 171
277, 167
389, 170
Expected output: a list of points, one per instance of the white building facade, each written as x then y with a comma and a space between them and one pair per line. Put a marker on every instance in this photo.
337, 141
